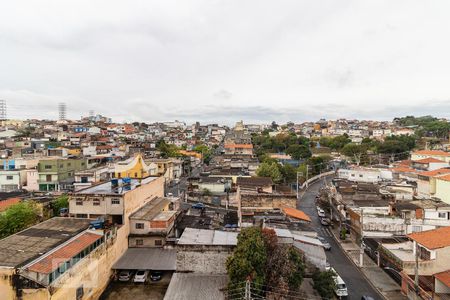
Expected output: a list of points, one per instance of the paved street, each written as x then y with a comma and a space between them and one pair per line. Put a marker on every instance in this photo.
356, 282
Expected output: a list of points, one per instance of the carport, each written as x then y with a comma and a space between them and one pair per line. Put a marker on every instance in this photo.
155, 259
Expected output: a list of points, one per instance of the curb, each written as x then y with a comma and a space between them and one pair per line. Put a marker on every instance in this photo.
358, 267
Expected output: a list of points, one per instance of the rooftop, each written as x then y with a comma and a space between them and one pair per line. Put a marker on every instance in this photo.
148, 259
193, 236
432, 152
106, 187
151, 209
196, 286
432, 239
254, 181
437, 172
295, 213
444, 277
25, 246
47, 264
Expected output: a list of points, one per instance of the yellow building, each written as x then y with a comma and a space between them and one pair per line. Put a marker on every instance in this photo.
134, 168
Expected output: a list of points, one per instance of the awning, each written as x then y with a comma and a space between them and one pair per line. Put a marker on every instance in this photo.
147, 259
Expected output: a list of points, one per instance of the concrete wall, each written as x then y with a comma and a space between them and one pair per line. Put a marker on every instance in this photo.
203, 259
443, 190
267, 201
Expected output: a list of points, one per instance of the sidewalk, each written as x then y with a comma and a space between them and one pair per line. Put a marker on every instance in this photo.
377, 277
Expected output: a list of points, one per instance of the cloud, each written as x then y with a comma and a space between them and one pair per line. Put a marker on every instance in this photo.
260, 60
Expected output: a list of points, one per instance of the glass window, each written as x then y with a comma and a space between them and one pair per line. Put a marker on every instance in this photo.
96, 202
158, 242
140, 242
47, 167
115, 201
442, 215
9, 177
139, 225
79, 202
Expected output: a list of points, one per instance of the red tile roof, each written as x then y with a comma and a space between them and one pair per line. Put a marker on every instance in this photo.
244, 146
444, 277
437, 172
295, 213
51, 262
428, 160
5, 204
445, 177
432, 152
432, 239
403, 170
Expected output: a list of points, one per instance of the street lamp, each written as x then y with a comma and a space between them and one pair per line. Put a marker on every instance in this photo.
301, 174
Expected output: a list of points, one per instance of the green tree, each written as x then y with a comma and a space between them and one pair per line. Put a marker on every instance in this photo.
60, 202
270, 170
324, 284
289, 173
205, 151
249, 258
18, 217
298, 151
355, 152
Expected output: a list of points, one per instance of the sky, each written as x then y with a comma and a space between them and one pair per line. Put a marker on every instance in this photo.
225, 60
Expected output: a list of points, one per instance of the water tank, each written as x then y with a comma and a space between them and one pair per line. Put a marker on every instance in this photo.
114, 182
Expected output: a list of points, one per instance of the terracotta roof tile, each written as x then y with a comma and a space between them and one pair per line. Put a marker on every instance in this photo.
428, 160
432, 152
295, 213
438, 172
51, 262
445, 177
244, 146
444, 277
5, 204
432, 239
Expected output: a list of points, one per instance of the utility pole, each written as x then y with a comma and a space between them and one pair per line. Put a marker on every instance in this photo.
307, 175
416, 270
361, 250
301, 174
248, 294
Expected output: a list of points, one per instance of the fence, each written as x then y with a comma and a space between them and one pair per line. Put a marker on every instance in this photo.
315, 178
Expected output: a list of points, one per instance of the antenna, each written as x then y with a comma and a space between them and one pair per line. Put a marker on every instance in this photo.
2, 110
62, 110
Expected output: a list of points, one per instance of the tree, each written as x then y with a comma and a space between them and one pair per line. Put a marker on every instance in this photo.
249, 258
18, 217
288, 172
205, 151
60, 202
354, 151
298, 151
324, 284
270, 170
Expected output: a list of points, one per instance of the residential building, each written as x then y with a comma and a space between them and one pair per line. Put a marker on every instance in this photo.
59, 174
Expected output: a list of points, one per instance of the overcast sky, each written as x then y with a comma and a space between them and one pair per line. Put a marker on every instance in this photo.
225, 60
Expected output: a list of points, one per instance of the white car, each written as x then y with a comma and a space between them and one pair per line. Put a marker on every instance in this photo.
125, 275
141, 276
321, 213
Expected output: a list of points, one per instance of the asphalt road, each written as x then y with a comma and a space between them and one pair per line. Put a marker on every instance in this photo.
357, 284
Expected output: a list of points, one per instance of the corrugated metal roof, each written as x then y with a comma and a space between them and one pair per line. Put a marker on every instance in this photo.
188, 286
147, 259
192, 236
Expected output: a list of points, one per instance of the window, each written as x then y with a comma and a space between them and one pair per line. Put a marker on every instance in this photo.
69, 164
79, 202
424, 254
416, 228
360, 175
442, 215
79, 293
9, 177
139, 225
158, 242
96, 202
140, 242
115, 201
353, 175
47, 167
48, 177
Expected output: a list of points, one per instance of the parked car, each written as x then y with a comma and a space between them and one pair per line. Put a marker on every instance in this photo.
367, 298
325, 244
156, 275
141, 276
169, 195
325, 221
321, 213
198, 205
125, 275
